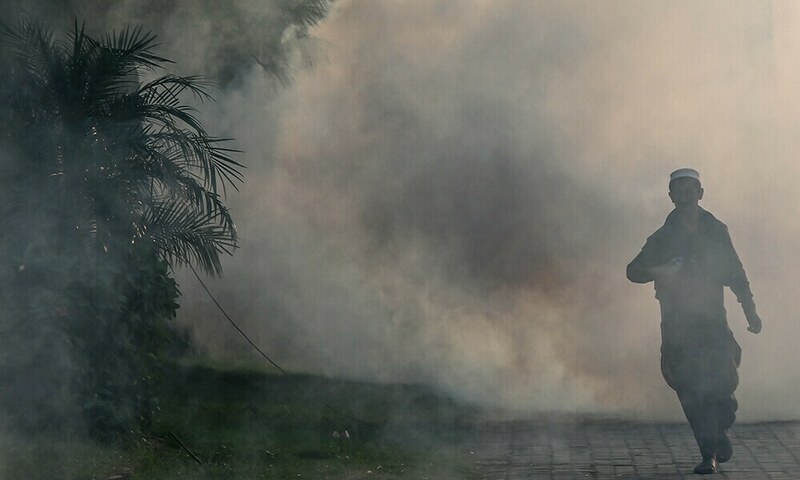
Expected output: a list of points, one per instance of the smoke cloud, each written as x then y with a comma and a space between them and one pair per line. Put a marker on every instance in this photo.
452, 194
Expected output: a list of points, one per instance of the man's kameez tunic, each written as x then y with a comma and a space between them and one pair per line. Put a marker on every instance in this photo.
699, 354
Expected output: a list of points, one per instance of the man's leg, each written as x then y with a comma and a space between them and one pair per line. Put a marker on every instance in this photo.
725, 360
702, 419
725, 412
680, 374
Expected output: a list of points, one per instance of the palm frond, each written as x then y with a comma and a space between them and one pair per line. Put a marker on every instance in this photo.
222, 162
135, 45
308, 13
167, 88
196, 150
30, 47
162, 169
181, 235
26, 33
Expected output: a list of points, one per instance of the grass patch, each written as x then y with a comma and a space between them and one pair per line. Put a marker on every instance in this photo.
246, 423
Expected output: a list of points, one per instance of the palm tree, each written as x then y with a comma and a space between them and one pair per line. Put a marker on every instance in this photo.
107, 178
116, 160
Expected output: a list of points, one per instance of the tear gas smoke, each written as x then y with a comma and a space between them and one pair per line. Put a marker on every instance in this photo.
452, 194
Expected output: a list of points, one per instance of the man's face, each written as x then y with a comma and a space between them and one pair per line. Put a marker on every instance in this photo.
685, 192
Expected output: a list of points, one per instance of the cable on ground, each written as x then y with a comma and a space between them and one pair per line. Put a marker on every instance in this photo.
241, 332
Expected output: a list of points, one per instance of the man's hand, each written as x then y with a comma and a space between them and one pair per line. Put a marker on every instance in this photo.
753, 320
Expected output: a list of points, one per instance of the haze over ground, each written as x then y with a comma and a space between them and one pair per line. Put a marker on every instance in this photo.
450, 196
454, 192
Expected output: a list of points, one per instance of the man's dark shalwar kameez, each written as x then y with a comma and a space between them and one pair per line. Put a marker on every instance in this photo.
699, 355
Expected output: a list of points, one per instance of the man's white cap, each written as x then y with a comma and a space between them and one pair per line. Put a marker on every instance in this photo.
684, 172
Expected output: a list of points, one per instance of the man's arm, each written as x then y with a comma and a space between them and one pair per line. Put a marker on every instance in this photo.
641, 269
740, 286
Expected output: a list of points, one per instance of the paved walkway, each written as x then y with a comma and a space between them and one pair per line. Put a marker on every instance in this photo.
622, 450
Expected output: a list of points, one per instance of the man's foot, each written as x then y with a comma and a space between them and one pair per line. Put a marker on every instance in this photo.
707, 466
724, 448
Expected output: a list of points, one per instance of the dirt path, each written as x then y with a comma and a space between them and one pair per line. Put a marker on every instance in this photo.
624, 450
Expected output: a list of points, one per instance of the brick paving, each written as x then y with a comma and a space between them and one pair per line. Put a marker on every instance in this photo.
561, 450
